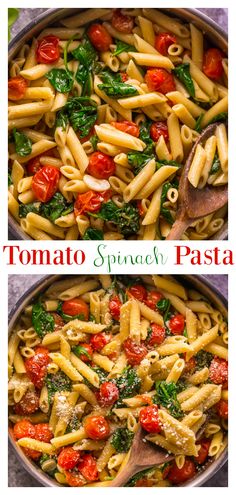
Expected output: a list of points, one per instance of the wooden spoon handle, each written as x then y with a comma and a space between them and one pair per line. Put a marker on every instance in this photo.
124, 475
178, 228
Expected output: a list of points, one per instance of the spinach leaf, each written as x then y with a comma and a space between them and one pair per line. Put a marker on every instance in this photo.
127, 217
83, 77
86, 55
215, 165
57, 382
108, 212
61, 79
43, 322
94, 141
172, 163
144, 131
62, 119
203, 359
82, 114
128, 384
165, 211
73, 424
93, 234
68, 317
122, 439
101, 373
22, 142
9, 178
123, 47
30, 207
163, 306
166, 396
139, 476
198, 126
182, 72
138, 160
56, 207
79, 350
181, 385
221, 117
114, 87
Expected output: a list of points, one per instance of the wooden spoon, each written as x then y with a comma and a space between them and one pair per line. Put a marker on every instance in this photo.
196, 203
143, 455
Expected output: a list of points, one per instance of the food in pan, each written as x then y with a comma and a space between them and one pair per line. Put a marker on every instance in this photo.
93, 358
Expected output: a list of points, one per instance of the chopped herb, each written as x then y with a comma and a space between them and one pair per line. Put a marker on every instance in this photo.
182, 72
93, 234
215, 165
57, 382
198, 126
166, 396
114, 87
79, 350
181, 385
101, 373
28, 208
123, 47
61, 79
23, 143
74, 424
128, 384
122, 439
94, 141
203, 359
43, 322
221, 117
56, 207
68, 317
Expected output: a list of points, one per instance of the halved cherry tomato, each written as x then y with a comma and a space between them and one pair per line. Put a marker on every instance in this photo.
127, 126
99, 340
138, 292
222, 408
122, 23
36, 366
58, 320
74, 479
203, 451
48, 50
17, 87
76, 306
158, 334
34, 164
88, 350
159, 129
88, 467
143, 482
28, 404
108, 394
43, 432
68, 458
90, 201
189, 365
176, 324
177, 475
163, 41
140, 208
153, 297
99, 37
124, 76
160, 80
32, 454
149, 419
97, 427
212, 63
134, 352
100, 165
45, 183
114, 307
166, 471
23, 429
218, 372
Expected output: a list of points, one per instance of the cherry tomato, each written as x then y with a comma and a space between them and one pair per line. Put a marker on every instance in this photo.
58, 320
218, 372
177, 475
108, 394
48, 50
43, 432
122, 23
88, 467
28, 404
158, 334
124, 76
34, 164
32, 454
100, 165
74, 479
76, 306
45, 183
189, 365
166, 471
97, 427
17, 87
68, 458
114, 307
212, 63
153, 297
134, 352
163, 41
149, 419
138, 292
203, 451
99, 37
128, 127
89, 350
176, 324
140, 208
23, 428
222, 408
36, 366
143, 482
159, 129
99, 340
160, 80
90, 201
